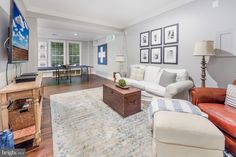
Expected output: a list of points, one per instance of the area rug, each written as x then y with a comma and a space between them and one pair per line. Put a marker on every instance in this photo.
84, 126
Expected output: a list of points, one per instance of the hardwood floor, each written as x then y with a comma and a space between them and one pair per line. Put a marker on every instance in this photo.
50, 87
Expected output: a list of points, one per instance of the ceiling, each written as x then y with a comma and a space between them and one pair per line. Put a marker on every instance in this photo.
87, 20
114, 13
56, 29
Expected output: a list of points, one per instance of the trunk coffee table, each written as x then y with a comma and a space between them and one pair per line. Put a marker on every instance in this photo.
124, 101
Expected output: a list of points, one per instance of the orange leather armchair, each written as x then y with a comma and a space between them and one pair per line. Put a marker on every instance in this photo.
211, 101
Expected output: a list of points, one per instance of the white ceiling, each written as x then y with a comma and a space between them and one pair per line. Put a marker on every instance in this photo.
115, 13
56, 29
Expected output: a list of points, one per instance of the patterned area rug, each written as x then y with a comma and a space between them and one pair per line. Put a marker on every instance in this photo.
84, 126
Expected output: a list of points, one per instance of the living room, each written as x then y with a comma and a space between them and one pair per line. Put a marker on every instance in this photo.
163, 52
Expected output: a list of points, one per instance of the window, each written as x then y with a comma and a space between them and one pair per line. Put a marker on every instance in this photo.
57, 49
64, 52
74, 52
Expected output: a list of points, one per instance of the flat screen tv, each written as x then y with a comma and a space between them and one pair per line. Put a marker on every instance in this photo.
19, 36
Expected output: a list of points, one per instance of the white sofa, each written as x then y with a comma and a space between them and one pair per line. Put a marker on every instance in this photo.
151, 79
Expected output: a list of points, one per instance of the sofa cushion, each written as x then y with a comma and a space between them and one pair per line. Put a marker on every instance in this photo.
151, 73
187, 130
231, 95
137, 73
154, 88
135, 83
222, 116
182, 74
167, 78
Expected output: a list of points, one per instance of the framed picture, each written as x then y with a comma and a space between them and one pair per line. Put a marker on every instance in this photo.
144, 55
170, 54
156, 37
102, 54
156, 57
144, 39
171, 34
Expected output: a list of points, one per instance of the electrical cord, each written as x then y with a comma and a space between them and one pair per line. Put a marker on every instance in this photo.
20, 69
16, 74
5, 42
7, 73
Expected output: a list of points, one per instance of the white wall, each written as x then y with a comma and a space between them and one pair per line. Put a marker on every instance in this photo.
197, 21
114, 48
4, 21
32, 64
33, 50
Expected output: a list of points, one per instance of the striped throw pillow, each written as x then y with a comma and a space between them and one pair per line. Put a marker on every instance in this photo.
231, 95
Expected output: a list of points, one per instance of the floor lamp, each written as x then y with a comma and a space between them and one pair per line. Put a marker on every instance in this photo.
204, 48
120, 59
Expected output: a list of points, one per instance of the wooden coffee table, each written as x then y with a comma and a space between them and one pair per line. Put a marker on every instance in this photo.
124, 101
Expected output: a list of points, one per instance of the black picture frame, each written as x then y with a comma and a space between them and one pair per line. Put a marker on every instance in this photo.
160, 37
152, 55
174, 59
144, 52
171, 34
144, 39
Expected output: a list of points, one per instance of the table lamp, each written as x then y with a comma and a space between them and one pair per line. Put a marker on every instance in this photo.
204, 48
120, 59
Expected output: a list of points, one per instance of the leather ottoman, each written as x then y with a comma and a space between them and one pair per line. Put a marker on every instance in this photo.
185, 135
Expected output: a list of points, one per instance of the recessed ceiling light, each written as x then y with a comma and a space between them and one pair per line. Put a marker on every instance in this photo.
75, 34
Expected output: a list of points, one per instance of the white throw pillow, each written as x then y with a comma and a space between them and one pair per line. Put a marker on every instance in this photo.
137, 74
231, 96
151, 73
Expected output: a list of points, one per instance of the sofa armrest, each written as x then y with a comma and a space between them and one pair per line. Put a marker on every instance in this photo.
208, 95
178, 87
116, 76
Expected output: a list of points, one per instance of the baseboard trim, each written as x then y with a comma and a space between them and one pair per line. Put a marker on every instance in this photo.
107, 77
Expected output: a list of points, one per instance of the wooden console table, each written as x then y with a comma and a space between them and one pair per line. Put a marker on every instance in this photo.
25, 90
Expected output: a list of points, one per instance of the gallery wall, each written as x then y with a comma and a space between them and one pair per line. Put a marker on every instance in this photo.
198, 20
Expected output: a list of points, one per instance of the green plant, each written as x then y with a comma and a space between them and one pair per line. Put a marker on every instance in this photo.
122, 83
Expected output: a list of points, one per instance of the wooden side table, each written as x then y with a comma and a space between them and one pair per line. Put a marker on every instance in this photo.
25, 90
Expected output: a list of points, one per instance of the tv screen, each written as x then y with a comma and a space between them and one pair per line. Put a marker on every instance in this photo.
19, 36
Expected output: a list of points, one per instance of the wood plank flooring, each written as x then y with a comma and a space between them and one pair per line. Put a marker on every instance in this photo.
50, 87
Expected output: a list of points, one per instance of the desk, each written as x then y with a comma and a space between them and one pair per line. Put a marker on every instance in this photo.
68, 69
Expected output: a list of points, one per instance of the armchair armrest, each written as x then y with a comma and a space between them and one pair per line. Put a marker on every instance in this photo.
116, 76
178, 87
208, 95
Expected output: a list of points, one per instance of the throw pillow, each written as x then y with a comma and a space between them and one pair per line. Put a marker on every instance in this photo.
167, 78
137, 74
231, 95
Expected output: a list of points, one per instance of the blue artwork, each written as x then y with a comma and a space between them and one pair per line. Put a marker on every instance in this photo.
102, 54
20, 30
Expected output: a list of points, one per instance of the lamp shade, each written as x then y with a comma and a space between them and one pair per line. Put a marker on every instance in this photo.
204, 48
120, 58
